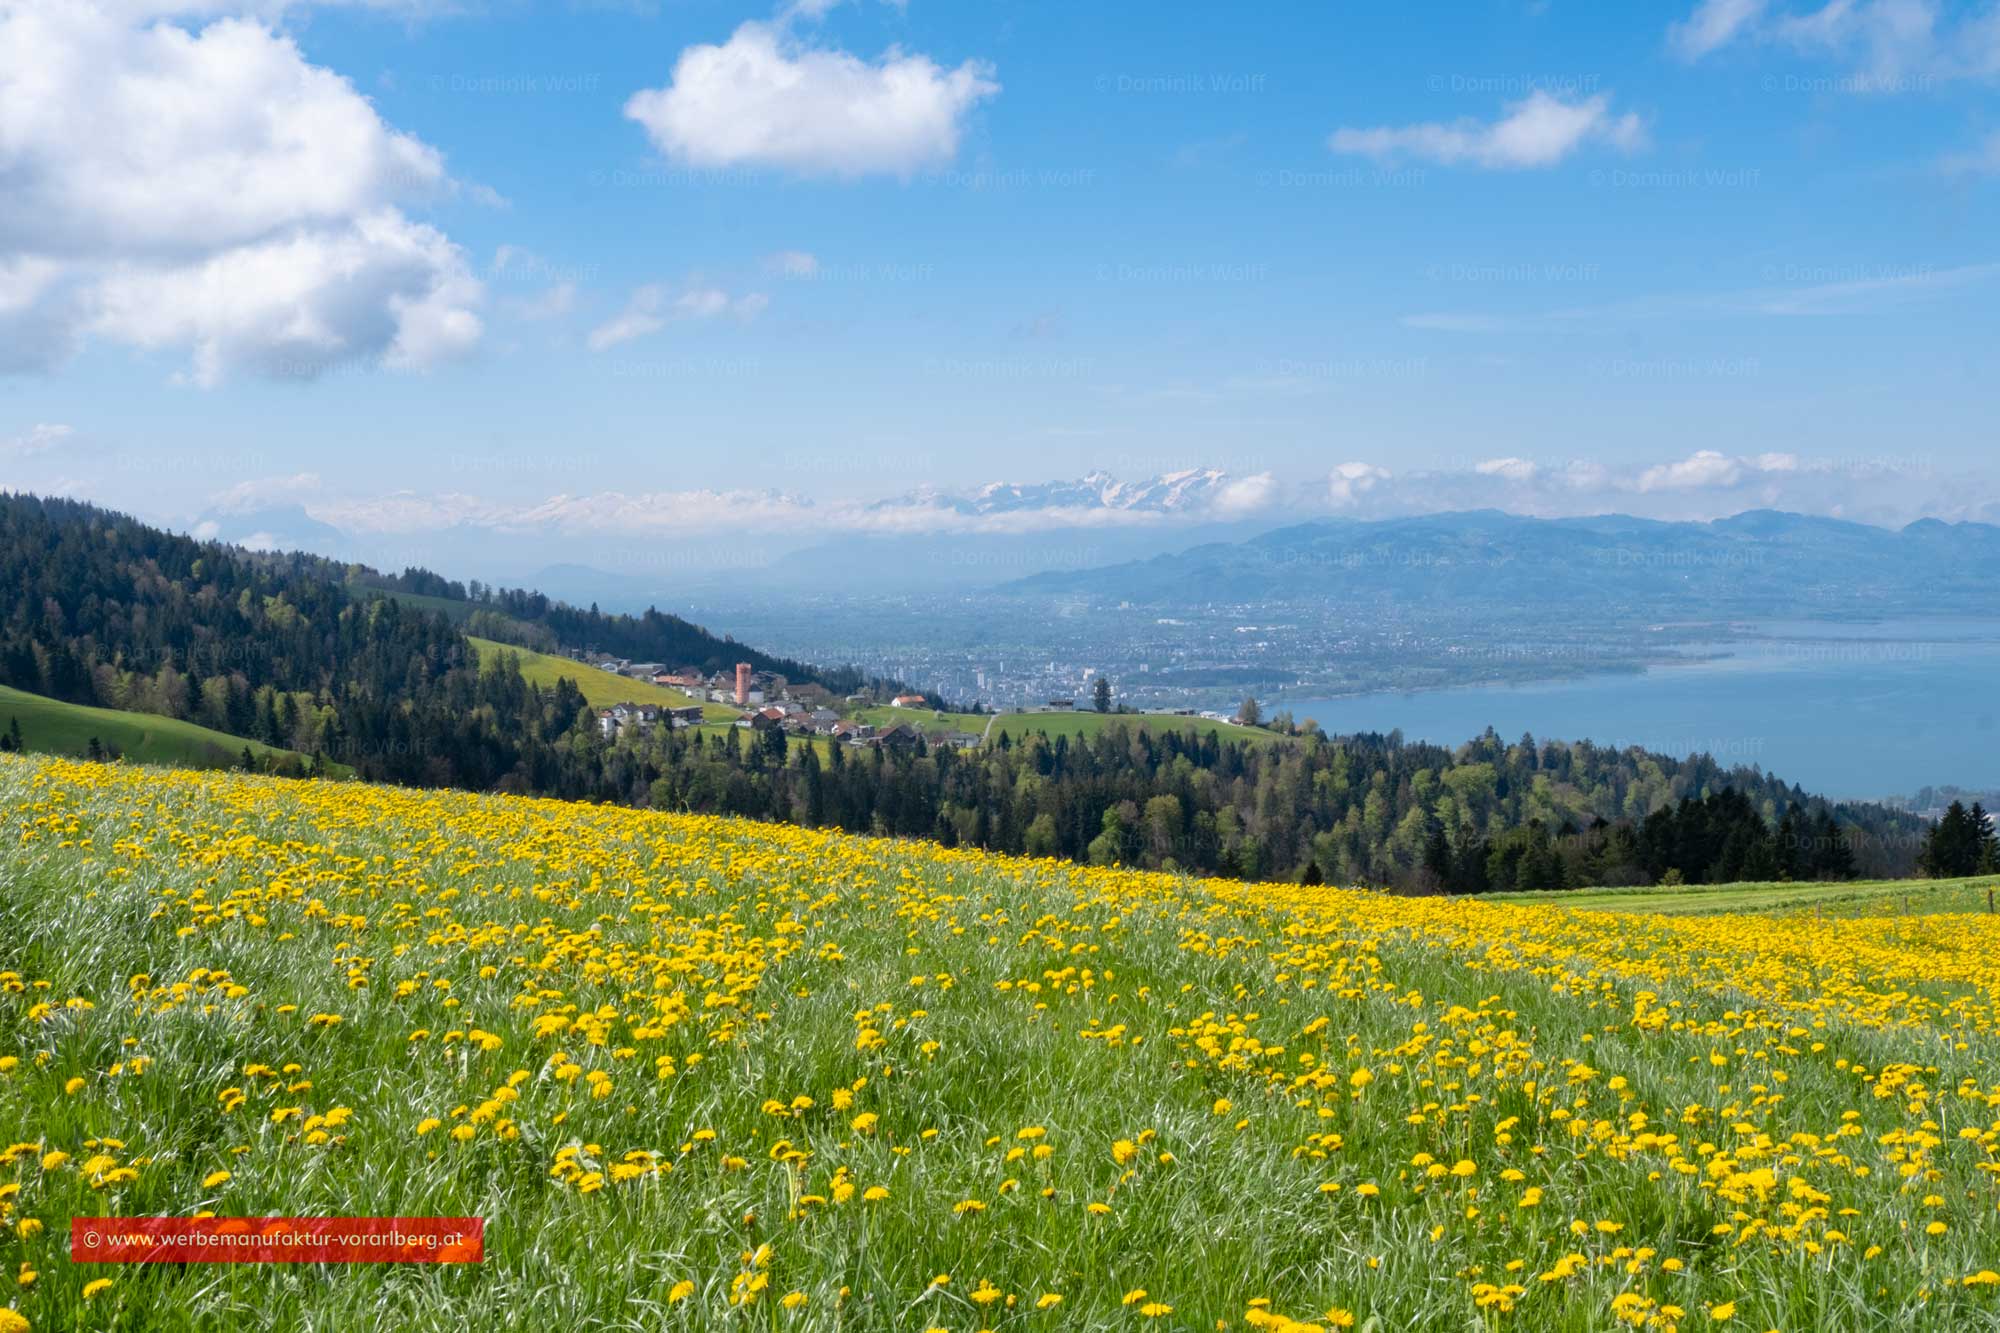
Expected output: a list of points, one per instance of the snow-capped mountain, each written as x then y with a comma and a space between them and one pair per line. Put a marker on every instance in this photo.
1194, 490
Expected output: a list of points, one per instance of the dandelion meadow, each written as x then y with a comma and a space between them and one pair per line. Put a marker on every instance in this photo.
697, 1073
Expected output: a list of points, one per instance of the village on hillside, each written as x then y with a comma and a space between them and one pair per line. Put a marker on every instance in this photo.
766, 701
761, 701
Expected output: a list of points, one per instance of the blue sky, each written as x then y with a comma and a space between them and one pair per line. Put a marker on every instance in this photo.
663, 261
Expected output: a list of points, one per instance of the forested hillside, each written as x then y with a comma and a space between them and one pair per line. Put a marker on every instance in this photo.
1489, 815
98, 609
532, 620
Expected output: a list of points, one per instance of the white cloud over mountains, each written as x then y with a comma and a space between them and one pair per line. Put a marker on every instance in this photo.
1703, 484
1538, 131
206, 189
768, 98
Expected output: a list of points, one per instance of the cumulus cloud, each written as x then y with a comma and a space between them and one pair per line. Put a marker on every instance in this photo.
384, 289
1709, 469
1246, 495
209, 190
764, 98
1538, 131
652, 307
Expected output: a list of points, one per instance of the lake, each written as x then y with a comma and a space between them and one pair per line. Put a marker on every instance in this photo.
1842, 709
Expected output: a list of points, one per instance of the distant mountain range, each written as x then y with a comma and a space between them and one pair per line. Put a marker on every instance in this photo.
1756, 562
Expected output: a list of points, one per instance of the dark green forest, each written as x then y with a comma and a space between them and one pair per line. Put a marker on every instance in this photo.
1487, 816
310, 655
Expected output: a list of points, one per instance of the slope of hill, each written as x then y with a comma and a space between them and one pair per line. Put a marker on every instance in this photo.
600, 689
51, 726
751, 1076
1754, 562
1876, 897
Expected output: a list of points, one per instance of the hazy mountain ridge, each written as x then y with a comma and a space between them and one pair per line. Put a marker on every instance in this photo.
1757, 560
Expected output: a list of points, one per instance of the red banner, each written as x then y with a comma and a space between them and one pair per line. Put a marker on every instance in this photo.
277, 1240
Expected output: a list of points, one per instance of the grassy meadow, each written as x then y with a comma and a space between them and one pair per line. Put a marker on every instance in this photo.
707, 1074
53, 726
1852, 897
600, 689
1089, 724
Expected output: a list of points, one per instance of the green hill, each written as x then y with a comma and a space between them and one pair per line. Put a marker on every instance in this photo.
51, 726
600, 689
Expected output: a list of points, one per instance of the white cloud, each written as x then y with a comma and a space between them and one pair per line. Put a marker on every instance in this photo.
41, 438
792, 264
1246, 495
209, 189
650, 309
1708, 469
1702, 470
1348, 482
1538, 131
384, 289
763, 98
1706, 484
261, 491
407, 512
1510, 469
1714, 24
1890, 45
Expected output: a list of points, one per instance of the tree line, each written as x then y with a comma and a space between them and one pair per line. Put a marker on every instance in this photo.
1367, 809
